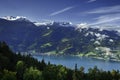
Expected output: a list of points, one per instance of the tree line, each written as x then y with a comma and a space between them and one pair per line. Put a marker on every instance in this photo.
25, 67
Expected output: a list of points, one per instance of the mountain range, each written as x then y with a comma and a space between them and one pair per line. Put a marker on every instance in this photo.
23, 35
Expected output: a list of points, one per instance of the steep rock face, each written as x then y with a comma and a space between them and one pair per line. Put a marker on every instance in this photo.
62, 37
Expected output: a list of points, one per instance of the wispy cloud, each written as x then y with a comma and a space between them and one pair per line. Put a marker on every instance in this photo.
110, 9
105, 16
110, 14
90, 1
107, 19
61, 11
111, 22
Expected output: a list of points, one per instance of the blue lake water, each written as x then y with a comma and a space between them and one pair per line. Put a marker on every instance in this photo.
70, 61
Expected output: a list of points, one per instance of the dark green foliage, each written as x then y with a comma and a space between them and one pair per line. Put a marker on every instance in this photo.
24, 67
32, 74
20, 68
9, 75
6, 57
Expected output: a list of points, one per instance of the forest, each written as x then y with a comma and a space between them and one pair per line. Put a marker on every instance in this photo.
24, 67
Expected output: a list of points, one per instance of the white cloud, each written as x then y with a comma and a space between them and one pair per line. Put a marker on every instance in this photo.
110, 9
90, 1
61, 11
106, 19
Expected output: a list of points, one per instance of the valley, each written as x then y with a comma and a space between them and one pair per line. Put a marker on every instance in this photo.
59, 38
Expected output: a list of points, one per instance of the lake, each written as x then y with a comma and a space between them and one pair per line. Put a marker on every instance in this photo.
70, 61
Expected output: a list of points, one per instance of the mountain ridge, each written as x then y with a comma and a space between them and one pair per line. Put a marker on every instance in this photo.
57, 37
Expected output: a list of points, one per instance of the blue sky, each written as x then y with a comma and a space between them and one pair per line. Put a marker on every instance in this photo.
93, 12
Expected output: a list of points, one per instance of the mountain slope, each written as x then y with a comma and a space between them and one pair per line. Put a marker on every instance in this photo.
56, 37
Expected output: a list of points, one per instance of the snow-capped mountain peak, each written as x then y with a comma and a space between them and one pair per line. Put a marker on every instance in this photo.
12, 18
82, 26
64, 24
43, 23
39, 24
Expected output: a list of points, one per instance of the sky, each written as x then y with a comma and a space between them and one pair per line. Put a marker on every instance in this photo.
92, 12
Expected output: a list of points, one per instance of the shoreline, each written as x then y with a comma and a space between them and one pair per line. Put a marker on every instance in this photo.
101, 58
